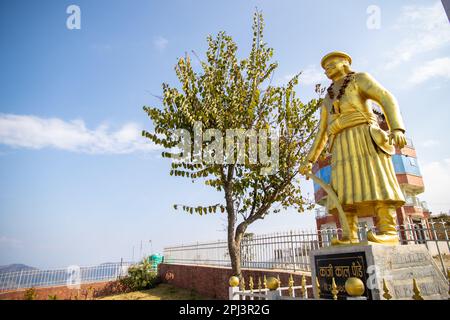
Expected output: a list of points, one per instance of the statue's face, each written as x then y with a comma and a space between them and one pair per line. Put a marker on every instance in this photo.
336, 67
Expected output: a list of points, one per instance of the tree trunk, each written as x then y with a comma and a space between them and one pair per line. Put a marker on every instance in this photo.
234, 247
235, 235
235, 255
234, 243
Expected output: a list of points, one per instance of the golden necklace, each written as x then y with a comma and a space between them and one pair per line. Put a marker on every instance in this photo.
344, 85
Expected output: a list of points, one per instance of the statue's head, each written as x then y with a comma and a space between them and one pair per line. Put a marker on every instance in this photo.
336, 64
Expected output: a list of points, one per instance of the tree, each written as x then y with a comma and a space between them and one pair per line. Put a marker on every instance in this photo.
236, 94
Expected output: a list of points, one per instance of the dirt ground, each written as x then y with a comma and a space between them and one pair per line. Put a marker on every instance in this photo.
161, 292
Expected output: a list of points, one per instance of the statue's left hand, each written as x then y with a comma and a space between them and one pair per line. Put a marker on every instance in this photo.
305, 168
397, 137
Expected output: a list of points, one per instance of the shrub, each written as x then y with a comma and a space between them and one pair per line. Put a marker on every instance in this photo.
127, 284
30, 294
52, 297
142, 276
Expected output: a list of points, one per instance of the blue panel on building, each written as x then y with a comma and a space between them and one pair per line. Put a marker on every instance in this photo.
406, 165
316, 187
324, 174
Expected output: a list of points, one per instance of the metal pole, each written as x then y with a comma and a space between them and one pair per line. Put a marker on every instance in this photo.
20, 279
446, 233
293, 250
444, 270
196, 253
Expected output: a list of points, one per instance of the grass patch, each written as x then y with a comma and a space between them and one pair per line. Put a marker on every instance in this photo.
161, 292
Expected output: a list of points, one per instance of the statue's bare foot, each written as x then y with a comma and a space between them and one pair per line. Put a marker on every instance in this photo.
345, 240
382, 238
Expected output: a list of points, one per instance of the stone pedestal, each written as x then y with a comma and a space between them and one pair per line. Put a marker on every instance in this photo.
397, 265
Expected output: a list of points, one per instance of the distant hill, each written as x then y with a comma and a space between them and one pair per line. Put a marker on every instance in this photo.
15, 267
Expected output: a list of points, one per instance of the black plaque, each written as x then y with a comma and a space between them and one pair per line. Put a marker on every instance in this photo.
340, 266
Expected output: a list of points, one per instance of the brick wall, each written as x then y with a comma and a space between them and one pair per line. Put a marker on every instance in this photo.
86, 291
212, 282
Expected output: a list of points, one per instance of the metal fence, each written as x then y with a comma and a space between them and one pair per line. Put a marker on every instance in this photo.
282, 250
70, 276
282, 293
290, 250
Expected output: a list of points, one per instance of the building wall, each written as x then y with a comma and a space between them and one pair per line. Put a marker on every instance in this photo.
212, 282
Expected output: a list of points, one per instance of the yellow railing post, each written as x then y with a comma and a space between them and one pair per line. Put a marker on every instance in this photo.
303, 286
242, 284
417, 295
317, 288
448, 278
386, 293
334, 290
291, 286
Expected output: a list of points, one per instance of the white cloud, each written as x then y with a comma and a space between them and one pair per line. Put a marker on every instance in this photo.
430, 143
435, 68
283, 80
436, 176
160, 43
425, 28
10, 242
23, 131
311, 75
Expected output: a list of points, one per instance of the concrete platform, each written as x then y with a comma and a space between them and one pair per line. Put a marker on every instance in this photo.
397, 265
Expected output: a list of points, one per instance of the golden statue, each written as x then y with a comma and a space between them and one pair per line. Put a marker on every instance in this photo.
362, 174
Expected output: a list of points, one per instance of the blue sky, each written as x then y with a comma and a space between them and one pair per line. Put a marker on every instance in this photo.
78, 185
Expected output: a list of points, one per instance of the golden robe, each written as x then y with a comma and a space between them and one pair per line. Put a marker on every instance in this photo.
362, 174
